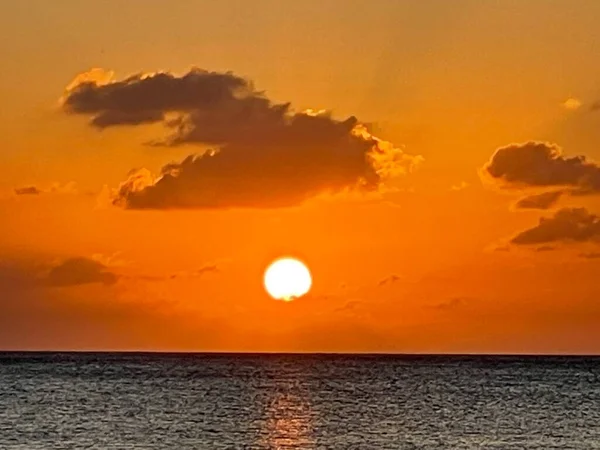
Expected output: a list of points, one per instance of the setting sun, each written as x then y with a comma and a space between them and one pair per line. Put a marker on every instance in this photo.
287, 279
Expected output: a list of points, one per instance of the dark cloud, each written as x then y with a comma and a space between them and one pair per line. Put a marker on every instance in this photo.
77, 271
389, 280
567, 225
140, 97
209, 268
266, 154
541, 164
544, 200
545, 248
54, 188
590, 255
34, 315
451, 304
27, 190
70, 272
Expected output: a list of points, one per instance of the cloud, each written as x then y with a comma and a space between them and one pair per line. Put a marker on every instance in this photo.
567, 225
451, 304
460, 186
16, 275
541, 164
209, 268
389, 280
590, 255
572, 104
77, 271
264, 154
35, 315
186, 274
27, 190
141, 97
54, 188
63, 188
545, 248
539, 201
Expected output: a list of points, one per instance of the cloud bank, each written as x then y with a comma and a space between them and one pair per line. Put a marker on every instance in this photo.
262, 153
542, 166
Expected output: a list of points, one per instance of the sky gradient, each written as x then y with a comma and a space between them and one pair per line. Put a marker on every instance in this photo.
433, 163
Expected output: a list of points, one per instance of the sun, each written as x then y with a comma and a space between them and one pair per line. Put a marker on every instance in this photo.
287, 279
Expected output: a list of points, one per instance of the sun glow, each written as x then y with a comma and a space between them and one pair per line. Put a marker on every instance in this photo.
287, 279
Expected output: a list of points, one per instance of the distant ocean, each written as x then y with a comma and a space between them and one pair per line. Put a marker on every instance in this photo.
218, 401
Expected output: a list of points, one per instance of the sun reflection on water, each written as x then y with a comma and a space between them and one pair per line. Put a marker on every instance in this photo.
289, 422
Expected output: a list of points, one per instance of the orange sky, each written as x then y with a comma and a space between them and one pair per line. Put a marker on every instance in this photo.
418, 242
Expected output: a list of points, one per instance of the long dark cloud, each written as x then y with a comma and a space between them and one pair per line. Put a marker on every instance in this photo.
567, 225
77, 271
590, 255
27, 190
265, 154
544, 200
542, 165
69, 272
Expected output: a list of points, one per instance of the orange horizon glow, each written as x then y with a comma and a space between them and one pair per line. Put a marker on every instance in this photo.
435, 168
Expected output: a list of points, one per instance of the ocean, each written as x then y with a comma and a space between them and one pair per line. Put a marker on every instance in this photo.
264, 401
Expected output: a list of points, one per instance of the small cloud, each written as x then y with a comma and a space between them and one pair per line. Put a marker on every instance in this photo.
209, 268
54, 188
27, 190
66, 188
590, 255
539, 201
451, 304
350, 306
213, 268
567, 225
572, 104
78, 271
460, 186
541, 165
389, 280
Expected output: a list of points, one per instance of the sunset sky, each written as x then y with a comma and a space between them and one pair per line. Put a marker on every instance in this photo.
435, 164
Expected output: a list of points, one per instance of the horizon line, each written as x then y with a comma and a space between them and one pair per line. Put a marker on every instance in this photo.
295, 353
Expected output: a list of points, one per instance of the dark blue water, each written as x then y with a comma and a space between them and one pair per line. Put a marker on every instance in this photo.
160, 401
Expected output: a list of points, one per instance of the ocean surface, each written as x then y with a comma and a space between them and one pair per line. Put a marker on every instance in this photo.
218, 401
